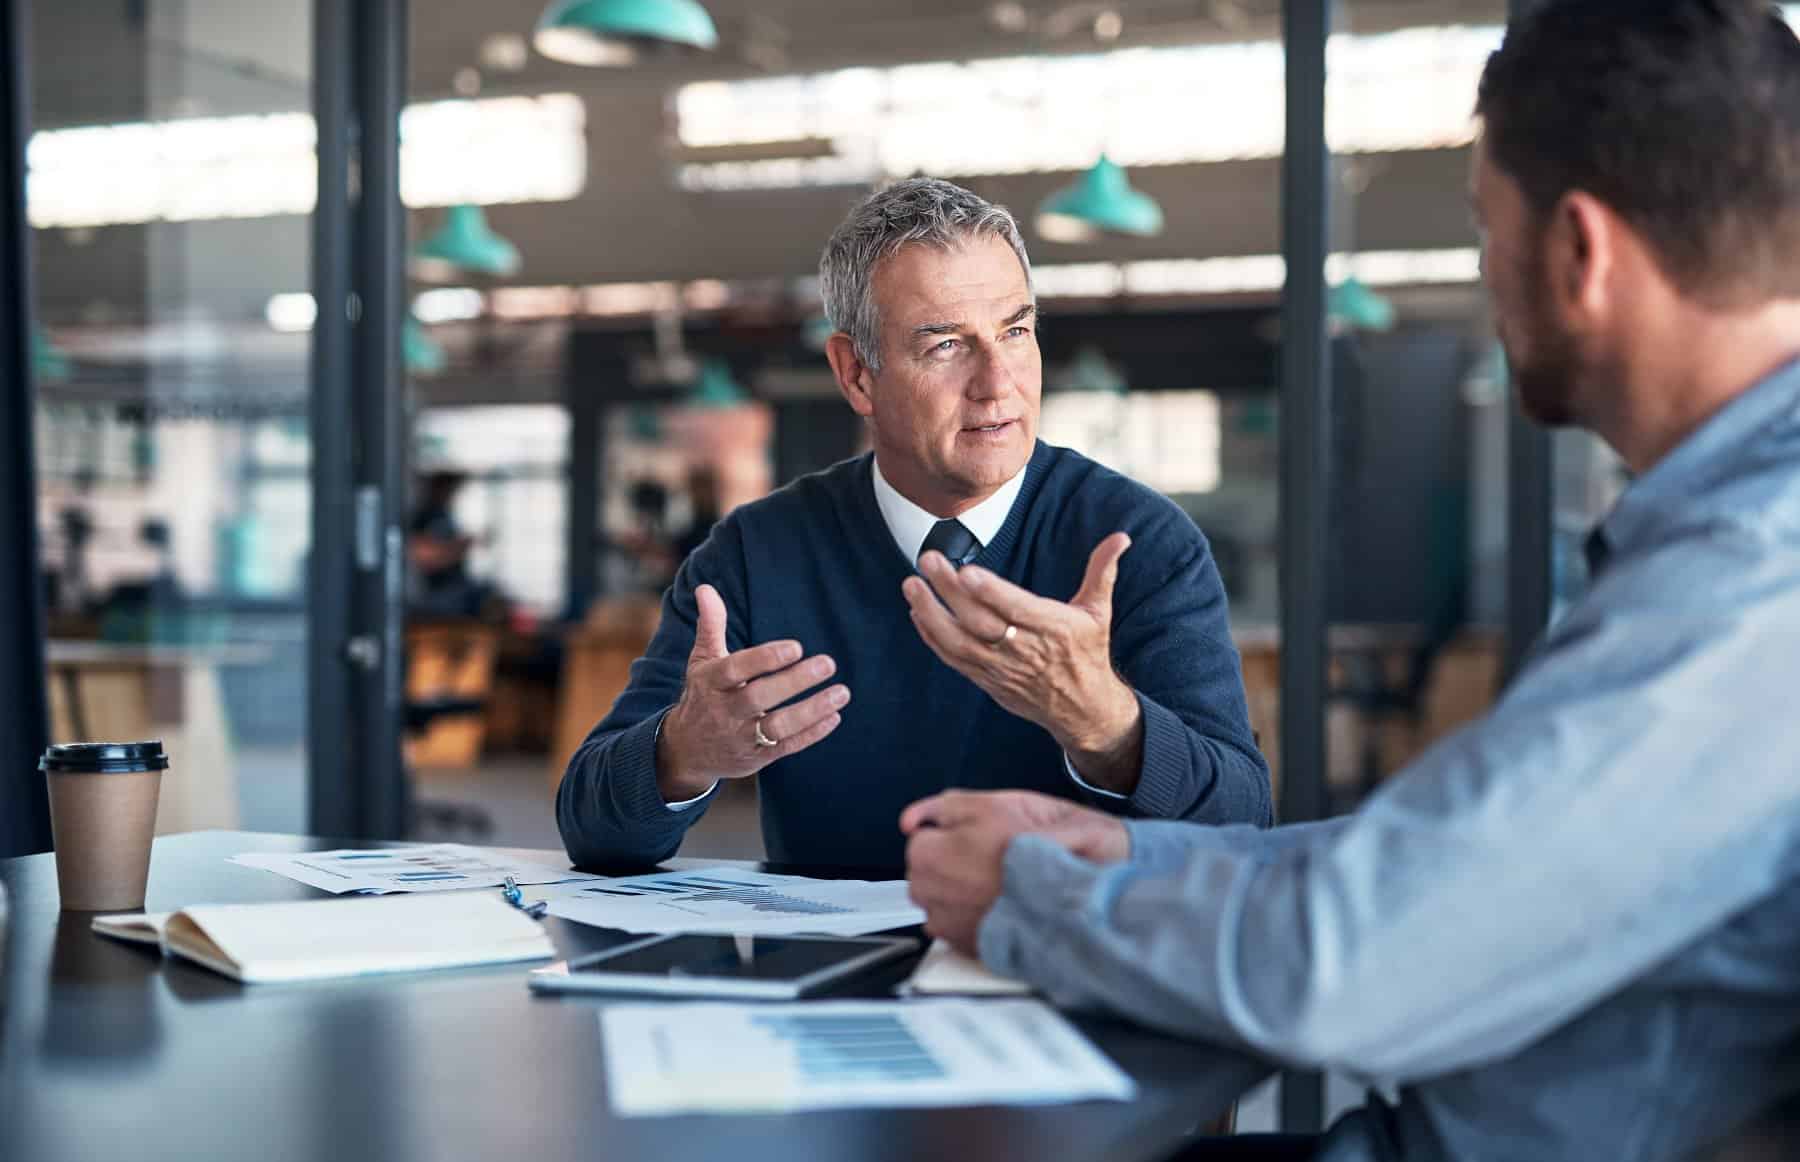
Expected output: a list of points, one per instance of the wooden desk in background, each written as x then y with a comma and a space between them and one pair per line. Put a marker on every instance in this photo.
597, 659
1464, 680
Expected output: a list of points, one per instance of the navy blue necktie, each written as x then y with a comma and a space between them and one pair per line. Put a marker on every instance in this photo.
950, 538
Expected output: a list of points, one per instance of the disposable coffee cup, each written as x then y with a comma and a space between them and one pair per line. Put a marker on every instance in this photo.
102, 817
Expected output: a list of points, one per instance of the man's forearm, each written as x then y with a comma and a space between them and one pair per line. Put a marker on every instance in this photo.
1108, 753
675, 779
608, 806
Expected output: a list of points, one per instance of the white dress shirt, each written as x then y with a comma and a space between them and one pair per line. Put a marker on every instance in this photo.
910, 524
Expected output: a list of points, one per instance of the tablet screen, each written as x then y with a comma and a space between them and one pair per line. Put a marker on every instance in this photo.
764, 958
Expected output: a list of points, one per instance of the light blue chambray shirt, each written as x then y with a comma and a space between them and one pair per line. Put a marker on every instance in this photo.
1570, 931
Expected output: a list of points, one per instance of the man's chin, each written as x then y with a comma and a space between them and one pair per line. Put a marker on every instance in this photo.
1545, 400
987, 468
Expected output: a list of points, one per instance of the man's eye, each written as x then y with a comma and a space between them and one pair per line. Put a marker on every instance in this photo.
946, 345
1016, 332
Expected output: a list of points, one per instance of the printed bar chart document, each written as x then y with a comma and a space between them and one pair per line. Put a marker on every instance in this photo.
762, 1058
437, 868
733, 901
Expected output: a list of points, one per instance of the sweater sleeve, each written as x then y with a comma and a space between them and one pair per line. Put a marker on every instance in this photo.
608, 806
1172, 644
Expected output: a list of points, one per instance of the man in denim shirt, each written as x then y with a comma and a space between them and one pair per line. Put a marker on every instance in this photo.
1571, 931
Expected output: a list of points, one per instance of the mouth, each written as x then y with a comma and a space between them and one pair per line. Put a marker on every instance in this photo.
994, 429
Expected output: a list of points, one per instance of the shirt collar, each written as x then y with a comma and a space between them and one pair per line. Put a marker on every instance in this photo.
909, 524
1697, 461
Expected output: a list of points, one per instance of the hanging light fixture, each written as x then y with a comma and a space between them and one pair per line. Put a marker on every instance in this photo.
816, 332
615, 33
422, 354
465, 243
715, 387
1353, 303
1090, 371
1100, 202
644, 425
49, 363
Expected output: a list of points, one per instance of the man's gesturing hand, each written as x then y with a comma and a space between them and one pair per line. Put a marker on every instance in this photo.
1049, 662
726, 721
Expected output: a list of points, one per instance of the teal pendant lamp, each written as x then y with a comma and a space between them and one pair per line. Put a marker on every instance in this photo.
464, 244
1089, 371
715, 388
422, 353
644, 425
816, 332
614, 33
1100, 202
49, 363
1353, 303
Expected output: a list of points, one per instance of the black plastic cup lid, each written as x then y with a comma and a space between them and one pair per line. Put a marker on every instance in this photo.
105, 758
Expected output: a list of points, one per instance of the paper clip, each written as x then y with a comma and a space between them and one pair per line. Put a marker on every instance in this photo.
516, 898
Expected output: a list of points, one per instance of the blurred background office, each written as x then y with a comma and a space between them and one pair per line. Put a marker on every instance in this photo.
613, 336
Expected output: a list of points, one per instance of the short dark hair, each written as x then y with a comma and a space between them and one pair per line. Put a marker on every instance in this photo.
1683, 116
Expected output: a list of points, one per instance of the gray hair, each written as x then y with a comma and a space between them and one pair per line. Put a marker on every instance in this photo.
914, 211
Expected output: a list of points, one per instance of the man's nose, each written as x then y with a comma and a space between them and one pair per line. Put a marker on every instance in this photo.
993, 378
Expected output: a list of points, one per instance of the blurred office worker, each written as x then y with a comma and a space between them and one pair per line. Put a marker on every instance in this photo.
1573, 930
1085, 654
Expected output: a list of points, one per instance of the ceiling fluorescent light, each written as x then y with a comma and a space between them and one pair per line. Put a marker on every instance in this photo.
447, 304
1411, 89
290, 313
482, 152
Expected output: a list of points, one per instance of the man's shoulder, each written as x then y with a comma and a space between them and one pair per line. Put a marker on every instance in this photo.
1763, 489
1746, 508
1091, 499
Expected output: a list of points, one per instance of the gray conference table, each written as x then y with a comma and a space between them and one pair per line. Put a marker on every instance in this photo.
107, 1051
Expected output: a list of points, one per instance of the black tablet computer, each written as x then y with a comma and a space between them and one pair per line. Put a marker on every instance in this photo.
747, 967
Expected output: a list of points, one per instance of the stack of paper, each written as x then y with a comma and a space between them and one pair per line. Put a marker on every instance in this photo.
438, 868
733, 901
750, 1058
945, 971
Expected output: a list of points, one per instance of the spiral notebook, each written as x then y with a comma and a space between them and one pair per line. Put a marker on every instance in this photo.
320, 939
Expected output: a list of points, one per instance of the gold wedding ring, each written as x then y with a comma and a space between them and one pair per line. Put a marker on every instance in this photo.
763, 740
1012, 631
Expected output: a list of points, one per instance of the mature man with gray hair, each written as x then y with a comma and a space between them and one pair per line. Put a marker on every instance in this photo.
970, 584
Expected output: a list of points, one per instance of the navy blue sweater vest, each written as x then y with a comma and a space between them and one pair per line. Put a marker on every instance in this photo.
815, 562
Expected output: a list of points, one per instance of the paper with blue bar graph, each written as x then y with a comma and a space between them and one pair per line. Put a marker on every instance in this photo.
735, 901
440, 867
761, 1058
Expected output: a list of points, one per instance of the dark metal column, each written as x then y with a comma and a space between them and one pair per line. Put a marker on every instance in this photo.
1305, 455
356, 663
24, 714
1530, 509
331, 777
381, 409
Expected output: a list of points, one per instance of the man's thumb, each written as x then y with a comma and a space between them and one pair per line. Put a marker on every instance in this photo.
709, 634
1102, 572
